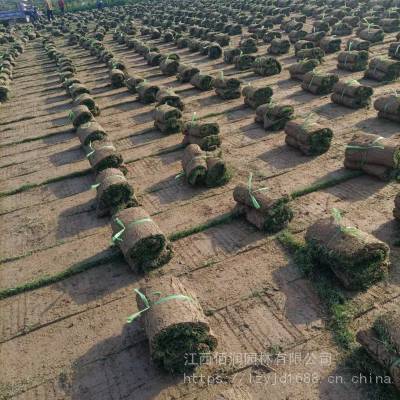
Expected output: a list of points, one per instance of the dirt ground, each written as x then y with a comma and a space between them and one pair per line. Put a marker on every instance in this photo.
70, 340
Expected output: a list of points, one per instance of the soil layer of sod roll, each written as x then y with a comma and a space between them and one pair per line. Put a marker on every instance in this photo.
357, 258
175, 325
90, 131
114, 193
80, 115
267, 213
140, 239
255, 96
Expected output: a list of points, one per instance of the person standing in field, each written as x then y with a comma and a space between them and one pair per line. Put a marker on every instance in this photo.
61, 5
48, 5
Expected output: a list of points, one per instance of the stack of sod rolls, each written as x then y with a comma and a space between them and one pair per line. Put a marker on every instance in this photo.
168, 119
202, 168
394, 50
117, 78
330, 44
299, 69
175, 325
351, 94
388, 107
202, 81
303, 44
255, 96
357, 44
310, 138
131, 82
114, 193
382, 343
168, 96
390, 25
244, 62
266, 66
396, 210
227, 88
372, 35
230, 53
140, 239
186, 72
357, 258
279, 46
248, 45
274, 116
353, 60
318, 82
268, 213
383, 69
315, 53
169, 66
373, 154
205, 134
147, 92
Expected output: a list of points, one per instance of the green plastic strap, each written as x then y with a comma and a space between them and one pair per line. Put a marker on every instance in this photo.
337, 216
95, 186
194, 117
180, 175
395, 363
397, 50
117, 236
148, 304
71, 115
91, 152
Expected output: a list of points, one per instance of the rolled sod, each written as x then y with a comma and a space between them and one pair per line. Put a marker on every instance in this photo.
230, 53
202, 81
117, 77
4, 92
373, 154
217, 171
353, 60
255, 96
88, 101
80, 115
271, 35
372, 35
169, 66
153, 58
383, 69
388, 107
207, 143
274, 116
194, 165
214, 51
352, 94
315, 53
201, 129
295, 36
319, 83
227, 88
330, 44
131, 82
309, 137
175, 325
357, 44
67, 83
266, 66
374, 341
341, 29
186, 72
140, 239
396, 210
114, 193
299, 69
357, 258
267, 213
394, 50
102, 154
279, 46
303, 44
76, 89
147, 92
244, 62
168, 96
90, 131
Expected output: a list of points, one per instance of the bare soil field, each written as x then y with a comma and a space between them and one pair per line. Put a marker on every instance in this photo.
66, 292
